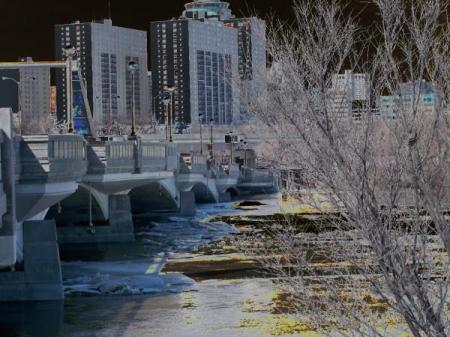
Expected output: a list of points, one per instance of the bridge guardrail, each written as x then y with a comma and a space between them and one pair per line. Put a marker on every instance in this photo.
3, 208
113, 156
172, 158
54, 157
199, 164
257, 176
151, 156
67, 156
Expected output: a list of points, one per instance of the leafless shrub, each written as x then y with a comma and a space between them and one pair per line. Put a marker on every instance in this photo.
386, 179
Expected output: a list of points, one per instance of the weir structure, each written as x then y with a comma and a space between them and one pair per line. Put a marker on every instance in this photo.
60, 189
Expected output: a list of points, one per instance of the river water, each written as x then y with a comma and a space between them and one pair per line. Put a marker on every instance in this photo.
118, 290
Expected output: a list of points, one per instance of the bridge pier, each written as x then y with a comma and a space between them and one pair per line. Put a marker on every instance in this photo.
187, 203
8, 222
111, 218
39, 278
120, 218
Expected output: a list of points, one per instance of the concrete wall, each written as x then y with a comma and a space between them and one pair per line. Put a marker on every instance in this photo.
8, 249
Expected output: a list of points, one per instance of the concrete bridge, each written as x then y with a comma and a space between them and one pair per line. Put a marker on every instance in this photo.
91, 191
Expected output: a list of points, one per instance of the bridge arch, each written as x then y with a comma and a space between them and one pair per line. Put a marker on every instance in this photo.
234, 192
74, 210
205, 192
155, 196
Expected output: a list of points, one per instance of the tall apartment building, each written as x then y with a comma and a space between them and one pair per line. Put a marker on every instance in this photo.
200, 59
104, 52
213, 21
35, 97
349, 94
252, 58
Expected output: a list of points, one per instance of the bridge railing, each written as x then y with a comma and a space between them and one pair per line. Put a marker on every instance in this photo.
67, 156
199, 164
54, 157
3, 208
257, 176
151, 156
172, 157
112, 156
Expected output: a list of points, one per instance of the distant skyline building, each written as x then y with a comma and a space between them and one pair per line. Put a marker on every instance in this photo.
420, 93
349, 94
219, 59
104, 52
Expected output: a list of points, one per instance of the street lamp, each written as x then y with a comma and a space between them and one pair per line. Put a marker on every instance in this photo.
245, 156
200, 115
70, 52
231, 143
133, 67
211, 123
168, 102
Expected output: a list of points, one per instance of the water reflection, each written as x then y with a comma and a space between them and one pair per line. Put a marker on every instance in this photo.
34, 319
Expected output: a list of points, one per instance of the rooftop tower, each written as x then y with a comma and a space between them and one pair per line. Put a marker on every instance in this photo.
208, 9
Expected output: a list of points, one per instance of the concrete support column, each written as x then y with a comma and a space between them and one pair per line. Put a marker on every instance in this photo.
41, 278
120, 217
187, 203
8, 246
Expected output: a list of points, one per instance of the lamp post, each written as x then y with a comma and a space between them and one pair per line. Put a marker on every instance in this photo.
133, 67
168, 102
200, 115
245, 155
69, 52
231, 150
19, 100
211, 123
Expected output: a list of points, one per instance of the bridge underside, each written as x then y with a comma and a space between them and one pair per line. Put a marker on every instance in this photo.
74, 210
204, 194
156, 196
33, 199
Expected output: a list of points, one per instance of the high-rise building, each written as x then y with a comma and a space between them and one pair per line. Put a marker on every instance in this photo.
349, 94
33, 103
150, 94
252, 59
200, 60
214, 24
103, 55
34, 98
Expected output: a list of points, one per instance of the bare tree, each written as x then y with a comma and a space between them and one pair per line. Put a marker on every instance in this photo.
386, 178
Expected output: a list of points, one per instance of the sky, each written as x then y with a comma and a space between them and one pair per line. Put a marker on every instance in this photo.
26, 26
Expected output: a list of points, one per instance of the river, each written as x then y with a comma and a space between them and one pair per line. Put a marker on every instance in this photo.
118, 290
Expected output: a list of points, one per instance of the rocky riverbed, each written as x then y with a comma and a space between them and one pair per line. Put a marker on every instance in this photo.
189, 278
